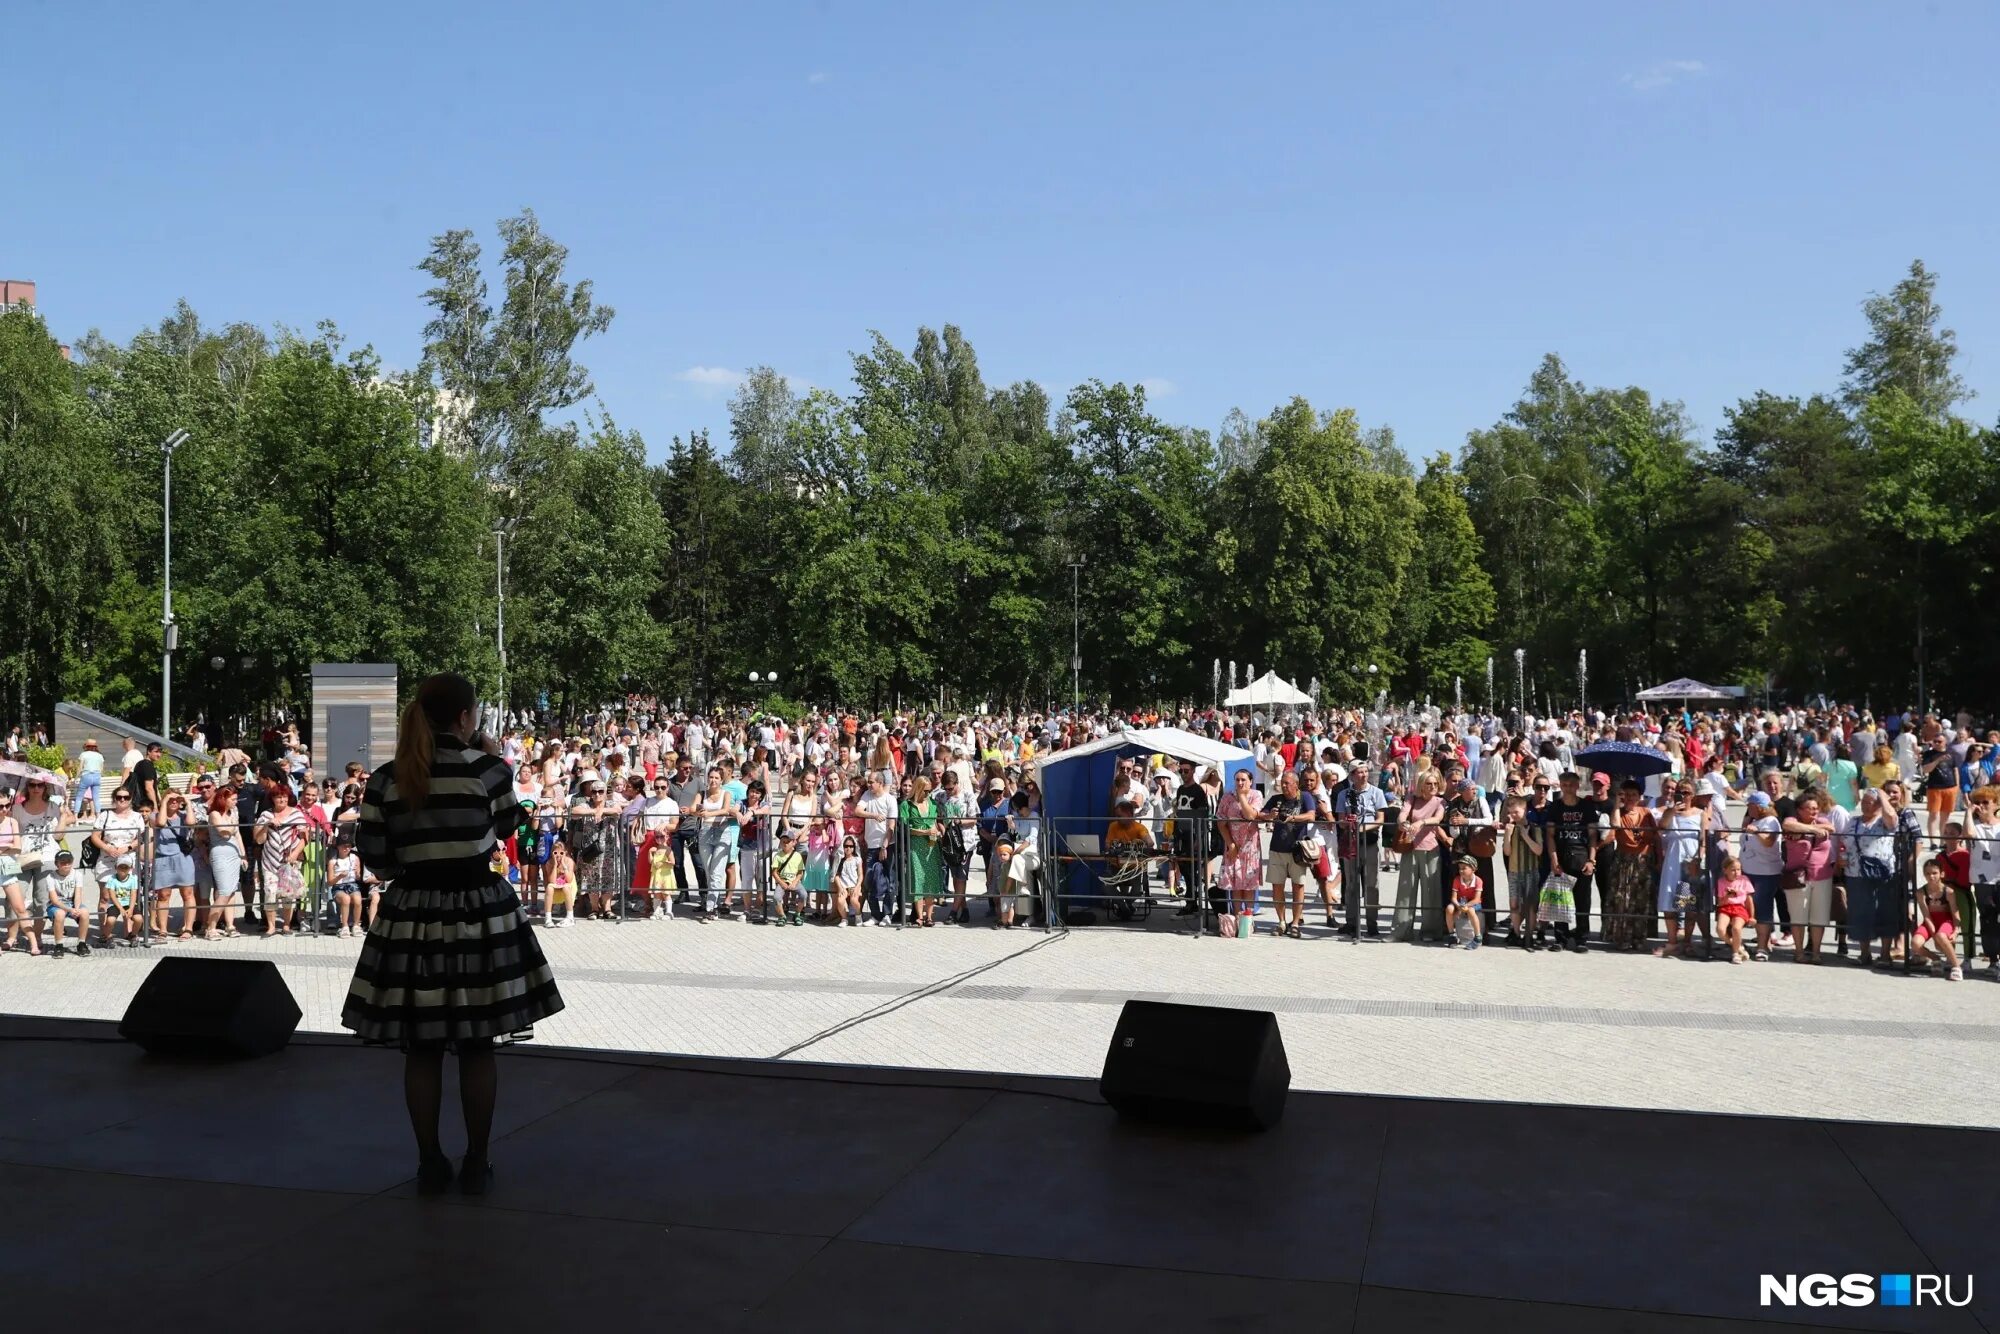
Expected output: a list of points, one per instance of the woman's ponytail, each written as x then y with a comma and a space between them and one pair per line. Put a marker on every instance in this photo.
415, 746
442, 701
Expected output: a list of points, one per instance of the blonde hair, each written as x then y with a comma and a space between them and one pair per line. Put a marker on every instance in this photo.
435, 708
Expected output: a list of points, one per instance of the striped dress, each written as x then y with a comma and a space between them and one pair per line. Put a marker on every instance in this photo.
450, 959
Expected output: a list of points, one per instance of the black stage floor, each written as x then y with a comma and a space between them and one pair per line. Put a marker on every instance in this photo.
657, 1192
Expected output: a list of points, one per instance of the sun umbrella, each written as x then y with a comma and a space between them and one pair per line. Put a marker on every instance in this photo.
1625, 759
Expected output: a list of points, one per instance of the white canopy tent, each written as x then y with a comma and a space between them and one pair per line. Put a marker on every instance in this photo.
1172, 742
1687, 687
1267, 691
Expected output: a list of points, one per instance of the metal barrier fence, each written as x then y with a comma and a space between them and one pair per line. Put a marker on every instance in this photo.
1220, 873
1207, 870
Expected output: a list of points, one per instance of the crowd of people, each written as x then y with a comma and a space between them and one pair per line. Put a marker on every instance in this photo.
1755, 833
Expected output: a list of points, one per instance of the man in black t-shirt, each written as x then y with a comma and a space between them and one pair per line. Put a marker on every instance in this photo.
1572, 839
1193, 827
144, 780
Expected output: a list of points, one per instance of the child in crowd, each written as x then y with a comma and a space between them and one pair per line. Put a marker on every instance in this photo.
660, 881
72, 894
1733, 896
343, 872
1522, 854
847, 883
1957, 859
788, 873
822, 852
561, 881
121, 891
1937, 919
1463, 911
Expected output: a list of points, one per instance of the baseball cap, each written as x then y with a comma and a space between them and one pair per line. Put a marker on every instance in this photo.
1760, 799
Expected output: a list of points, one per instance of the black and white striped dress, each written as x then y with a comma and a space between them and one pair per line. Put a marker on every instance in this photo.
451, 958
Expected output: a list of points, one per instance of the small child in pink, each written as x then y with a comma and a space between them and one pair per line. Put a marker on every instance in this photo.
1733, 895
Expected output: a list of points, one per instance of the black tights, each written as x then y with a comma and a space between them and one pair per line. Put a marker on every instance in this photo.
423, 1094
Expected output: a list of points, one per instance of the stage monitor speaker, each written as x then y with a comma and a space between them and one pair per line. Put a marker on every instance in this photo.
1198, 1065
214, 1008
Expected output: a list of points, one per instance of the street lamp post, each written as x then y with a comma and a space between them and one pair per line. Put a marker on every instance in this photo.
167, 629
501, 528
1076, 635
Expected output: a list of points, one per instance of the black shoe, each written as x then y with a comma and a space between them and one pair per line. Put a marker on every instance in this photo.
433, 1175
83, 949
1187, 910
1374, 933
474, 1175
1578, 947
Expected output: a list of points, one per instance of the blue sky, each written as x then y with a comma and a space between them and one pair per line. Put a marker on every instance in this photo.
1397, 208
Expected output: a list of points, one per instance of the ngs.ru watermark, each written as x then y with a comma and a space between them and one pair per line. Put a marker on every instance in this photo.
1864, 1290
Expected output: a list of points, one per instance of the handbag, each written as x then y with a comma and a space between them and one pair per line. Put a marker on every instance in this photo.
1482, 842
1558, 900
1798, 852
1404, 841
1308, 850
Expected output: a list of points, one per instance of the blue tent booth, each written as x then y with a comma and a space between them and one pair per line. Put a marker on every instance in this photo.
1076, 795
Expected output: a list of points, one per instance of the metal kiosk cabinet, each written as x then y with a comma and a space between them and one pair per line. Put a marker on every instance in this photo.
353, 716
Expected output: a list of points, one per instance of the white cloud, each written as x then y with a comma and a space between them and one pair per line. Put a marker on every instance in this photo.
817, 77
710, 379
1664, 74
1158, 386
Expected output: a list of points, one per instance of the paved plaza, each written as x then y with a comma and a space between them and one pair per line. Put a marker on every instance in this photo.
1370, 1016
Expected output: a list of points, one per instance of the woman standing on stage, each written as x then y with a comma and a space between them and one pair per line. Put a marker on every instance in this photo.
450, 963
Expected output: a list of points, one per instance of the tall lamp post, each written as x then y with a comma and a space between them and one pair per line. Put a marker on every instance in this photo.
501, 529
1075, 635
168, 633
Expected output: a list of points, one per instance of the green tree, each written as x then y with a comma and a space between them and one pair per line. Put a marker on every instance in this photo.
1787, 481
57, 541
1532, 483
585, 564
359, 544
1320, 541
1141, 524
1921, 495
1906, 349
508, 371
1446, 600
760, 412
1647, 461
699, 585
